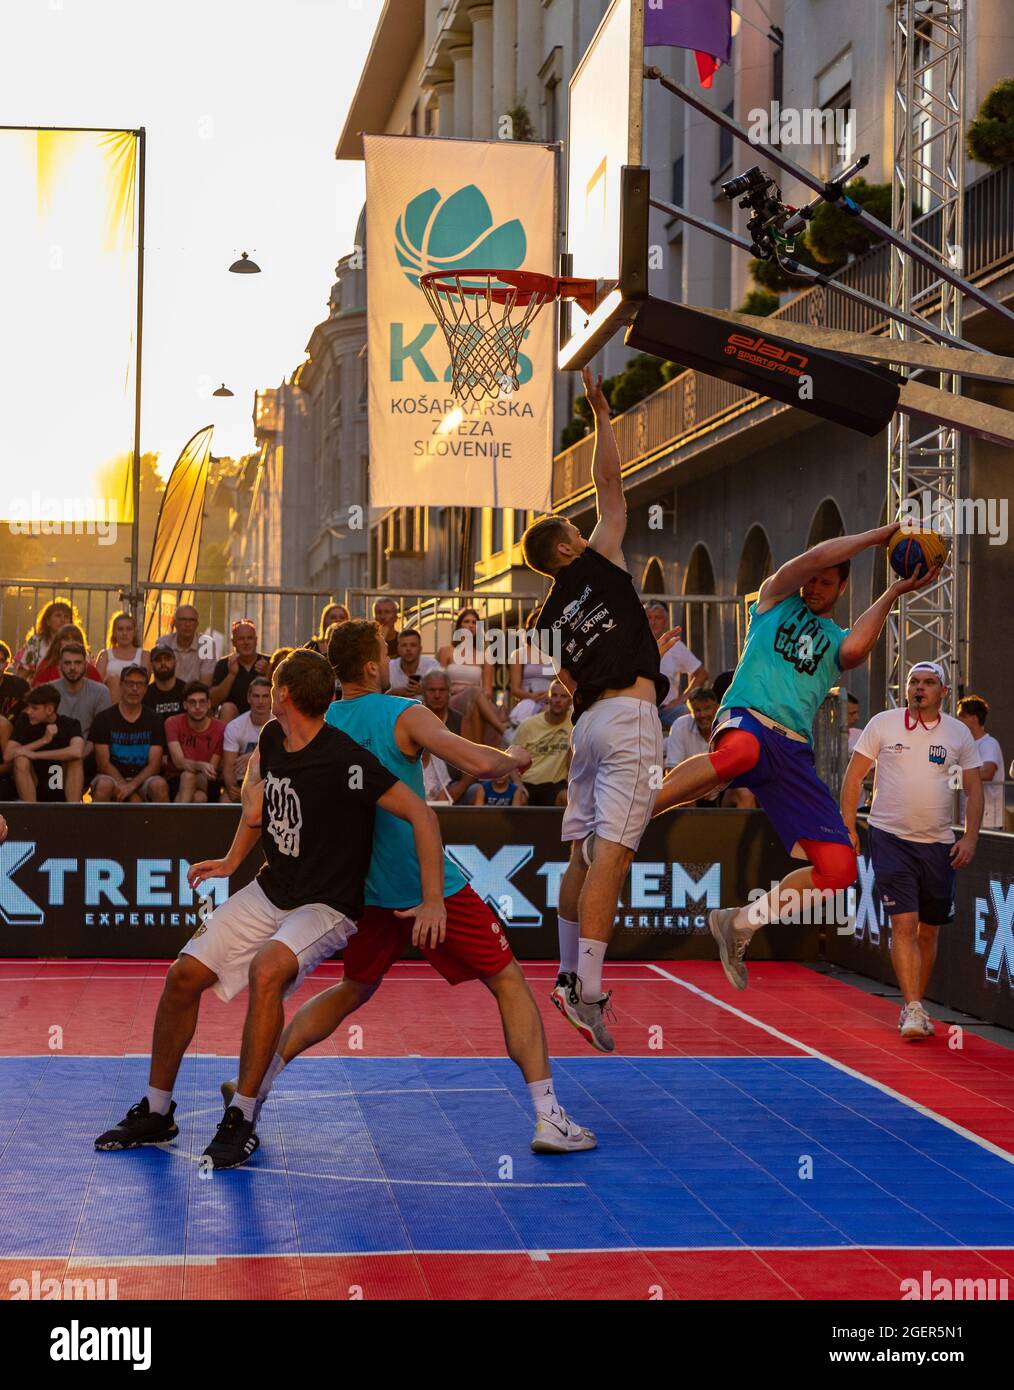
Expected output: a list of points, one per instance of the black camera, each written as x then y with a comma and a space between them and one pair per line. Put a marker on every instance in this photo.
753, 180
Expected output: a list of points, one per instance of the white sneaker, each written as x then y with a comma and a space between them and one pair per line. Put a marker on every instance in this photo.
561, 1135
915, 1023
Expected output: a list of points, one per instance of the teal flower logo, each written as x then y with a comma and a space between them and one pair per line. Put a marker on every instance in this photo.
455, 233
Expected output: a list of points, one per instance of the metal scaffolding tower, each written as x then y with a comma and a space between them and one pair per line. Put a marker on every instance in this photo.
928, 178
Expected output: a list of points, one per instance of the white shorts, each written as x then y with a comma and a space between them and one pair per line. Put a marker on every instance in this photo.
240, 926
616, 747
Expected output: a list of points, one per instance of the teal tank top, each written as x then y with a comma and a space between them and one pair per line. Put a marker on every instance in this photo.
393, 878
789, 663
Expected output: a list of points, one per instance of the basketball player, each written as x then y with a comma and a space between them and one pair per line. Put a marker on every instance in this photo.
594, 625
794, 653
308, 796
472, 946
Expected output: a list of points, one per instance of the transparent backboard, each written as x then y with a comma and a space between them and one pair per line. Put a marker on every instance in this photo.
604, 135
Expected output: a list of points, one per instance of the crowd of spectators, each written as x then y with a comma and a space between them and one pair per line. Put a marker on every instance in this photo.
179, 723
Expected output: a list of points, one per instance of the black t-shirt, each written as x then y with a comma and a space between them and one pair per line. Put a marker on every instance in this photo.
604, 638
165, 703
318, 813
24, 731
237, 695
12, 695
129, 743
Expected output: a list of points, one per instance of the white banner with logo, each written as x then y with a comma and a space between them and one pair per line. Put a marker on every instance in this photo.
445, 205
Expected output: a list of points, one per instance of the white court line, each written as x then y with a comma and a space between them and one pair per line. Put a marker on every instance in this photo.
916, 1105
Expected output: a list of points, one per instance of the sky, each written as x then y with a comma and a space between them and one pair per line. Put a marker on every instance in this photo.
243, 102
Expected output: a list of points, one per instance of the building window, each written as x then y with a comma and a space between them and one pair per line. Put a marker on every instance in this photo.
552, 111
834, 100
413, 125
777, 88
725, 144
677, 181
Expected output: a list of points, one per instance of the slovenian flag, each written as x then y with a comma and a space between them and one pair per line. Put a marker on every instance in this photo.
702, 25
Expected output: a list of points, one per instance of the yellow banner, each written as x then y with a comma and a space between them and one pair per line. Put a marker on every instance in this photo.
177, 543
68, 301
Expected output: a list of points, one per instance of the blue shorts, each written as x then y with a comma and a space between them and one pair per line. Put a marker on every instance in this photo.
784, 780
913, 877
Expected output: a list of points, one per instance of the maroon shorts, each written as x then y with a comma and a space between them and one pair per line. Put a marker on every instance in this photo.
474, 948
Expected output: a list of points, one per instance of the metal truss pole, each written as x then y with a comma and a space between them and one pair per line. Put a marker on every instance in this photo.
928, 177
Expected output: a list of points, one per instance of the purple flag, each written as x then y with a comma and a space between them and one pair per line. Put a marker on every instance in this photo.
703, 25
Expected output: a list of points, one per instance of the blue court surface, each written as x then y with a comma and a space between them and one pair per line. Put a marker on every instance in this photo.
412, 1154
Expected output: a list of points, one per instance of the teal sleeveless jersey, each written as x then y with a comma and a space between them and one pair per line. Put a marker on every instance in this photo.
393, 879
789, 663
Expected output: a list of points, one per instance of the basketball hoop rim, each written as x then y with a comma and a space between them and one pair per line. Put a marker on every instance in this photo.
525, 285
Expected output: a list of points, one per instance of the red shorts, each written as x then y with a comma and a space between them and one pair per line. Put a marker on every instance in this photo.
474, 948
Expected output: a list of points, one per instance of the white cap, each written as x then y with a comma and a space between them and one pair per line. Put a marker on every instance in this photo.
931, 667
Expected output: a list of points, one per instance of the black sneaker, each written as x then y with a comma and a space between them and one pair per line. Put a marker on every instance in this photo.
139, 1126
234, 1142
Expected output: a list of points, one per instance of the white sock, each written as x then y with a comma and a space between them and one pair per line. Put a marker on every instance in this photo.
569, 932
277, 1063
159, 1101
591, 955
544, 1099
245, 1103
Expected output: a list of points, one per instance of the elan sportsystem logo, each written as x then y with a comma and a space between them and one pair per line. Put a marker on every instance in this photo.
755, 349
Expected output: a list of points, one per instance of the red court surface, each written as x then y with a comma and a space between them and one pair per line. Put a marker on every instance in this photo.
675, 1010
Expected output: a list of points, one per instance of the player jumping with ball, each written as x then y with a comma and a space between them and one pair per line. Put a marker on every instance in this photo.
794, 653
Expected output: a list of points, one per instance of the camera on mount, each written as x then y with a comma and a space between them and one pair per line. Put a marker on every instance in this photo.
754, 181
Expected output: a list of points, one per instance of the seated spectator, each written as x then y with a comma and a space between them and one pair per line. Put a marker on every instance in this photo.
333, 615
547, 738
46, 750
385, 612
8, 791
973, 711
233, 674
121, 649
501, 791
407, 668
471, 678
436, 692
194, 659
129, 742
241, 735
13, 689
277, 657
691, 734
51, 618
531, 674
164, 695
678, 661
49, 670
194, 740
854, 727
436, 780
80, 698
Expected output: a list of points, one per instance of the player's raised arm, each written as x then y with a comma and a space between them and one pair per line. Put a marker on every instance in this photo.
610, 503
866, 630
478, 759
791, 576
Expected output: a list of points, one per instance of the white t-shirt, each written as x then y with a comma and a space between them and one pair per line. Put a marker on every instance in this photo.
854, 736
685, 741
990, 752
241, 734
436, 780
912, 795
678, 660
426, 663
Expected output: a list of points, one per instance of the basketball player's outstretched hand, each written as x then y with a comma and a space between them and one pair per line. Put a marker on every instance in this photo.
669, 639
208, 868
430, 922
593, 390
919, 580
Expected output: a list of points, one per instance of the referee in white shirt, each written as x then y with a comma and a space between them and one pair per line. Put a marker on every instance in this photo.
918, 752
